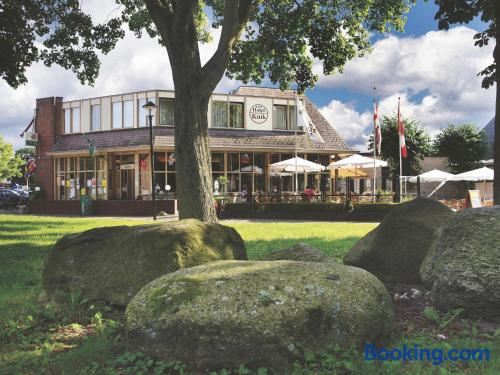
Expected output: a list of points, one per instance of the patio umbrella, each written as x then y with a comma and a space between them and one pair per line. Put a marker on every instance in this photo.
480, 174
297, 165
433, 176
357, 161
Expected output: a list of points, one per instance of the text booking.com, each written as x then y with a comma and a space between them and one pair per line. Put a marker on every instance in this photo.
416, 353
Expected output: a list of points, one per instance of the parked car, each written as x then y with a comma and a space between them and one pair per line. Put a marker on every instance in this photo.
11, 199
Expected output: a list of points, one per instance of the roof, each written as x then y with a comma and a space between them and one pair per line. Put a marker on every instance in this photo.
219, 138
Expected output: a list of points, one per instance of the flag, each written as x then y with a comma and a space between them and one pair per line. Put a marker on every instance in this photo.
30, 167
305, 122
401, 132
377, 141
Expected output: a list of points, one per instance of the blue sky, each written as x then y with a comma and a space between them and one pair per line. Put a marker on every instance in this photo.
434, 72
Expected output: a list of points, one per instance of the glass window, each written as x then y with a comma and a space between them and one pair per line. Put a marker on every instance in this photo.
219, 114
167, 111
171, 180
160, 162
236, 115
128, 114
67, 120
171, 161
292, 117
142, 112
218, 162
96, 117
76, 120
280, 117
117, 115
233, 162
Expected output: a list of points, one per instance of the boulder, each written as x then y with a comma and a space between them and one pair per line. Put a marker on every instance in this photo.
463, 267
111, 264
261, 313
300, 252
395, 249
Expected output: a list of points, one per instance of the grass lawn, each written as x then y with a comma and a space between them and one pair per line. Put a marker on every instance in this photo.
38, 337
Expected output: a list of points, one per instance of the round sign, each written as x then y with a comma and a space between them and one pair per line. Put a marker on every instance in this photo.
258, 113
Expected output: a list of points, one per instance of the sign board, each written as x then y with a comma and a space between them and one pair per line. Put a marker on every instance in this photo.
127, 166
31, 138
473, 199
258, 113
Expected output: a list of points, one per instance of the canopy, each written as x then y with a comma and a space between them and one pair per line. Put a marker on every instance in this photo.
480, 174
357, 161
350, 172
296, 164
433, 176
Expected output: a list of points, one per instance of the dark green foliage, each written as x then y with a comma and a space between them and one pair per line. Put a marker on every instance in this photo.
463, 146
417, 145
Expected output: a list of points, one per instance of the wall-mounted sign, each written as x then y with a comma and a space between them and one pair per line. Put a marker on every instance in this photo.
31, 138
258, 113
127, 166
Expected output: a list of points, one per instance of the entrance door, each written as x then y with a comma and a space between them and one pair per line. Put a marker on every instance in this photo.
127, 184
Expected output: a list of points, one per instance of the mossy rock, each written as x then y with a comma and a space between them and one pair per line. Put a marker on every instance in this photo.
262, 313
299, 252
463, 268
112, 264
395, 249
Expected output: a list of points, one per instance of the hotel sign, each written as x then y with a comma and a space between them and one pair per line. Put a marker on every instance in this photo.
258, 113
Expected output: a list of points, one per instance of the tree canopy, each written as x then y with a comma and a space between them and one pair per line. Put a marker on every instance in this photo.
9, 163
417, 145
463, 146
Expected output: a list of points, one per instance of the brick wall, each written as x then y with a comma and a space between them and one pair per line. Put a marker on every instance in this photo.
48, 126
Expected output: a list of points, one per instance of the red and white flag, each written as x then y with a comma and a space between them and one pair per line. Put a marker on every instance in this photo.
401, 132
376, 130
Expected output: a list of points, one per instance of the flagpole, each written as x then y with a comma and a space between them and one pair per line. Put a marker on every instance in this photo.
295, 137
374, 148
400, 157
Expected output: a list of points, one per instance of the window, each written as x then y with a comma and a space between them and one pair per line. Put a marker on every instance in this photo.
167, 111
117, 115
236, 115
96, 117
67, 120
219, 114
280, 120
142, 113
76, 120
285, 117
128, 114
77, 176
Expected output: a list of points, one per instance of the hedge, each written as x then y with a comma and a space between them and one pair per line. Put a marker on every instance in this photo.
309, 211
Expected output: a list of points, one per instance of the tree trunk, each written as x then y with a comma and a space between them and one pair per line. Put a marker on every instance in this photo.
192, 153
496, 145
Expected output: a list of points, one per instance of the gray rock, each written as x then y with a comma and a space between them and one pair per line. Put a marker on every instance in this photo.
463, 267
299, 252
112, 264
395, 249
262, 313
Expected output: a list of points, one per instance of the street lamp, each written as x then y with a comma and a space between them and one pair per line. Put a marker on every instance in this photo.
150, 107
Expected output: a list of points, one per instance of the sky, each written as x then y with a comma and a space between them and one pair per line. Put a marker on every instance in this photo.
433, 72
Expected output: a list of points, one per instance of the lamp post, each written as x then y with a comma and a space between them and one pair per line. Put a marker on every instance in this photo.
150, 107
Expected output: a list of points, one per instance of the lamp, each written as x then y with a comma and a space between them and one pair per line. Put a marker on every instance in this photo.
150, 107
167, 188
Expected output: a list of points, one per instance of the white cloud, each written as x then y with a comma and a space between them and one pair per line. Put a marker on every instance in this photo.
434, 74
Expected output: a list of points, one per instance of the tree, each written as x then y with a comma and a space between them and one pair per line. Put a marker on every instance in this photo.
9, 164
464, 11
23, 155
417, 146
275, 39
463, 146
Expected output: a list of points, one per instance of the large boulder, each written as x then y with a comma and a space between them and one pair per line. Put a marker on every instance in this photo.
463, 268
300, 252
228, 313
395, 249
112, 264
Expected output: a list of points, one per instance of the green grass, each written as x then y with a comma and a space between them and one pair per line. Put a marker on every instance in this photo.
38, 337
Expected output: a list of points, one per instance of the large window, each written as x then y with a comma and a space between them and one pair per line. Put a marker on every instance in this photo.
142, 113
167, 111
164, 168
123, 114
72, 120
96, 117
284, 117
77, 176
226, 114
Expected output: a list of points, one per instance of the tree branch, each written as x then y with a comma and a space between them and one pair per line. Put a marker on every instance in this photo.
236, 14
